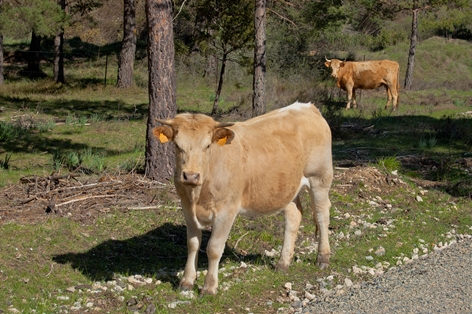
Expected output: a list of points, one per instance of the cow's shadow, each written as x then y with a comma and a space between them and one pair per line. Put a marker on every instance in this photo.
159, 253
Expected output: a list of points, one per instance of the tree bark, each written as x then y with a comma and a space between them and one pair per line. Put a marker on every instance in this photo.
258, 93
59, 51
2, 79
162, 87
411, 54
34, 58
59, 58
128, 46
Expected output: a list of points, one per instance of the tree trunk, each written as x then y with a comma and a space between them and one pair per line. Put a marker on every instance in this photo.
258, 93
59, 51
411, 54
162, 87
59, 58
2, 80
220, 85
34, 57
128, 46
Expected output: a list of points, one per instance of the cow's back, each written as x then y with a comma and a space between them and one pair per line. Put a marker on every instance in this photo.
372, 74
276, 151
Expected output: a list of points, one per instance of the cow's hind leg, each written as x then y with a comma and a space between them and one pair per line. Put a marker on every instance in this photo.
389, 97
354, 101
320, 203
293, 217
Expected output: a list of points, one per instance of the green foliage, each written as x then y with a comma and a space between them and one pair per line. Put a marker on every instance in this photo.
5, 163
85, 160
8, 132
19, 18
388, 163
226, 26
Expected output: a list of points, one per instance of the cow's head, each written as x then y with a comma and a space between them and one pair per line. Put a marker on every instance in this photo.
195, 137
335, 65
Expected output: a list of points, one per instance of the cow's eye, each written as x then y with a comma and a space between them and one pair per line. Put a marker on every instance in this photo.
207, 147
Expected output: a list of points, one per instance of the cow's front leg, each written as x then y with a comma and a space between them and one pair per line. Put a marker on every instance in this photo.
293, 217
216, 244
349, 98
194, 239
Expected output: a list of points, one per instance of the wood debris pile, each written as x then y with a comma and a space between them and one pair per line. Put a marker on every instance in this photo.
71, 196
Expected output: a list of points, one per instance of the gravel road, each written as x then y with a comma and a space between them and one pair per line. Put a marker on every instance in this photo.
438, 283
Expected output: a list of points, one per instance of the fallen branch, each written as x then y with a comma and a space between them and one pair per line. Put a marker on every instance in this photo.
83, 199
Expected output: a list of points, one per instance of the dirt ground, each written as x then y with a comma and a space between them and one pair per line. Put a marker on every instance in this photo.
35, 198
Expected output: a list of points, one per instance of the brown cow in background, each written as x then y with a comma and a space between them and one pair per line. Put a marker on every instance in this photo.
366, 75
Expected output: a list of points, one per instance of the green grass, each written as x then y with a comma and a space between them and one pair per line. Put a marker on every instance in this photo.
40, 262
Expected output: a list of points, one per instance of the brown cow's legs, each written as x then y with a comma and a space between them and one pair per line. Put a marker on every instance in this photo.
293, 217
389, 98
354, 101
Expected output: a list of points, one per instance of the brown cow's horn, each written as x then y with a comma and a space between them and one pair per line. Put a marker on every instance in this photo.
327, 59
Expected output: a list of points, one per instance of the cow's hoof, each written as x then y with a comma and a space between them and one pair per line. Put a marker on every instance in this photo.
281, 267
323, 261
208, 291
185, 286
323, 265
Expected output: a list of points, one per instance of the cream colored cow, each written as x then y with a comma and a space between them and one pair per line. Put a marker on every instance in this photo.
252, 167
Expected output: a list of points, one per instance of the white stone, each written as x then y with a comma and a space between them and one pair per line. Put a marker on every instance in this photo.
348, 282
380, 251
309, 296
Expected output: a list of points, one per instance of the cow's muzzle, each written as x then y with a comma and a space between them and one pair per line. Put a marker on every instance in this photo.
191, 178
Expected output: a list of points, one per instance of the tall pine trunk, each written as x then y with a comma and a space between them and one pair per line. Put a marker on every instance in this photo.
2, 80
162, 86
59, 51
34, 58
128, 46
214, 111
59, 58
411, 54
258, 92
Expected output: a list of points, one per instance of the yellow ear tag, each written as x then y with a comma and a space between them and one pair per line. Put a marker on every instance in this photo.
222, 141
163, 138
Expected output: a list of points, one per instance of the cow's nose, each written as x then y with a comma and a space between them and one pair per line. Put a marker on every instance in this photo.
191, 177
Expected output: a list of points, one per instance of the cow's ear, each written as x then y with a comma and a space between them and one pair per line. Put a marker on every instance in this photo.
328, 64
223, 136
163, 133
342, 64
